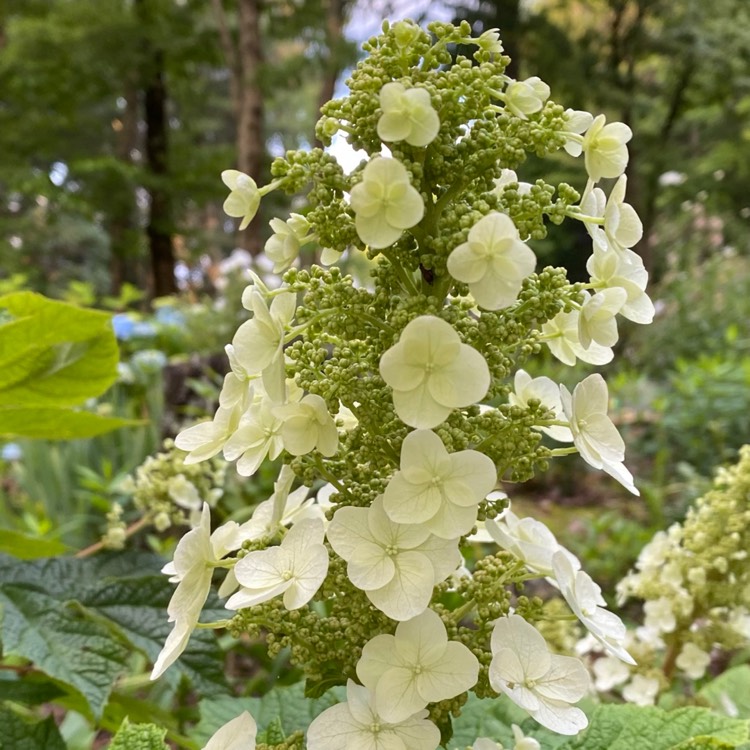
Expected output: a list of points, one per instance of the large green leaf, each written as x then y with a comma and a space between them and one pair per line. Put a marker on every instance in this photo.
618, 727
56, 423
53, 353
17, 734
729, 693
63, 641
32, 689
124, 596
29, 547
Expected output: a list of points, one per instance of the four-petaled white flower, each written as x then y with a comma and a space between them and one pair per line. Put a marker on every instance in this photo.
547, 392
528, 539
357, 725
237, 734
622, 229
296, 568
609, 672
561, 336
408, 115
438, 489
594, 434
191, 570
623, 269
308, 426
432, 372
596, 319
605, 152
244, 198
693, 661
396, 565
585, 598
283, 246
540, 682
576, 122
493, 261
524, 98
205, 439
385, 202
415, 666
259, 342
641, 690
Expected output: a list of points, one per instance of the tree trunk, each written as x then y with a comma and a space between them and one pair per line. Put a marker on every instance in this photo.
250, 139
159, 225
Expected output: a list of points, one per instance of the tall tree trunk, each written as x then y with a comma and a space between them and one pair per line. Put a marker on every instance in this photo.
244, 59
159, 226
334, 10
250, 138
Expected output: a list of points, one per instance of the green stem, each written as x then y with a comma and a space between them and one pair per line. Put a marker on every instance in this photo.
563, 451
458, 614
217, 625
406, 280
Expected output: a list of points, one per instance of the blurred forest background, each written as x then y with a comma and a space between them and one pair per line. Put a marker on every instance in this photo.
117, 117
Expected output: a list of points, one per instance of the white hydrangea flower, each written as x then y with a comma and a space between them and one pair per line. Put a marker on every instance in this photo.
585, 598
396, 565
259, 342
432, 372
205, 439
659, 615
605, 152
528, 539
540, 682
357, 725
385, 203
408, 115
693, 661
283, 246
493, 261
183, 492
237, 734
547, 392
509, 177
576, 123
641, 690
191, 569
594, 434
625, 270
415, 666
524, 98
561, 336
622, 228
307, 426
258, 435
489, 41
438, 489
244, 198
596, 319
609, 672
296, 569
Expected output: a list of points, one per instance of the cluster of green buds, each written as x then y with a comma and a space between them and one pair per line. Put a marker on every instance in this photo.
694, 580
405, 398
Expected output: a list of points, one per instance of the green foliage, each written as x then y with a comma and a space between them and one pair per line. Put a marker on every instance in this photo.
29, 547
728, 693
615, 727
77, 621
18, 734
138, 737
53, 356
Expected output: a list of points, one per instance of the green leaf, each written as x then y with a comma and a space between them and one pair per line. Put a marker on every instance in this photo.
286, 707
63, 641
29, 547
56, 423
138, 737
729, 693
53, 353
119, 599
622, 727
32, 689
17, 734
